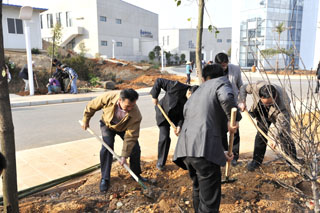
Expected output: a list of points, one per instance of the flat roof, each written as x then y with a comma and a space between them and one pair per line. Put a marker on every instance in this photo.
14, 5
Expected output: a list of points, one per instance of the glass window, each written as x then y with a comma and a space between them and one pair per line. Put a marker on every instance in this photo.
119, 44
68, 19
219, 40
104, 43
118, 21
19, 26
11, 27
41, 24
58, 18
167, 40
49, 21
103, 18
228, 40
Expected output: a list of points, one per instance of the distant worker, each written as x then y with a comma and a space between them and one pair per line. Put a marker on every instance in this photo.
121, 116
3, 163
318, 78
172, 103
188, 72
233, 73
271, 104
53, 86
25, 76
199, 148
73, 76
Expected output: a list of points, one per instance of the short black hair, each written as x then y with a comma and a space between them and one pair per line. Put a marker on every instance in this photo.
193, 88
212, 71
3, 163
267, 91
221, 58
129, 94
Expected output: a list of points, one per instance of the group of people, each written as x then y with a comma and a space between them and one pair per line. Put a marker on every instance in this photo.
201, 116
56, 83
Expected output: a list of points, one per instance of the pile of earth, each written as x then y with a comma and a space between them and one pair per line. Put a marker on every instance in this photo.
252, 192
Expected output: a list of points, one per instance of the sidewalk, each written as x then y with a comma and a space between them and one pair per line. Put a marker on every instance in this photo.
40, 165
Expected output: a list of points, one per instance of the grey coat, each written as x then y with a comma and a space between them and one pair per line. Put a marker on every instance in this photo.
206, 114
234, 76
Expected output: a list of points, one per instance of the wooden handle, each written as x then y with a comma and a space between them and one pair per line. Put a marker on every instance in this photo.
166, 116
231, 137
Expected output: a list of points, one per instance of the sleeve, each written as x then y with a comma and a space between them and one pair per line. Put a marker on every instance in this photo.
244, 90
226, 98
160, 83
131, 137
239, 79
95, 105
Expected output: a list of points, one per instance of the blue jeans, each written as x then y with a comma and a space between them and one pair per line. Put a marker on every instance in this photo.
74, 89
54, 89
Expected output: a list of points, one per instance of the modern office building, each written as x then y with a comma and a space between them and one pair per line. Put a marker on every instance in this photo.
13, 30
103, 28
254, 29
183, 41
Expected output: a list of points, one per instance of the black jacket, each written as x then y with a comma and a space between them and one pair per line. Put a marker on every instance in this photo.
318, 72
24, 72
172, 102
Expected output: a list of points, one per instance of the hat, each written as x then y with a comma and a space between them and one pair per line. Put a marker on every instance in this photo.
188, 62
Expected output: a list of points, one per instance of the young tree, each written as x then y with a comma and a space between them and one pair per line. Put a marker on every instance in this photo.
279, 29
9, 180
151, 55
56, 39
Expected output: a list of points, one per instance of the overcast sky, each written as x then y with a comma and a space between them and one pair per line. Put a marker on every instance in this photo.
170, 16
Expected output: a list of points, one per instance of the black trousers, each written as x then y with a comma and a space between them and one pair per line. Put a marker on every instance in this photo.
260, 142
206, 177
188, 79
106, 157
318, 86
163, 144
236, 144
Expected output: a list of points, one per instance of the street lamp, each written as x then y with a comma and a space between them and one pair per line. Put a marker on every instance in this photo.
113, 41
26, 15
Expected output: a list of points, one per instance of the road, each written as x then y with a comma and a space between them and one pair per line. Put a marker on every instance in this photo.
58, 123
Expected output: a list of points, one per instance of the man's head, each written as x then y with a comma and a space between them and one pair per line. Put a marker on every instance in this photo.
212, 71
128, 99
3, 163
191, 90
267, 94
222, 59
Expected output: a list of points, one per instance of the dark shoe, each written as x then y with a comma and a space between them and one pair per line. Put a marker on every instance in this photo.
143, 179
160, 167
104, 185
234, 162
253, 165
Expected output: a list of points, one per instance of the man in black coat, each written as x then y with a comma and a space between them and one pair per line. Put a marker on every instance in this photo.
199, 148
172, 103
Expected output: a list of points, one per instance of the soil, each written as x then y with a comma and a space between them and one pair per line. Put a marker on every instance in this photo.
251, 192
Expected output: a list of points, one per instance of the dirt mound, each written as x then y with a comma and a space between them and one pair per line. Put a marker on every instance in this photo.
252, 192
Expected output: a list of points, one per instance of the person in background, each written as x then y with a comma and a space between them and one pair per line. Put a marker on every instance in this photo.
53, 86
73, 76
318, 78
233, 73
3, 163
188, 72
25, 76
172, 103
8, 73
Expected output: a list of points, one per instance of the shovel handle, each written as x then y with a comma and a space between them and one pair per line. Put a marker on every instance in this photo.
166, 116
115, 155
231, 137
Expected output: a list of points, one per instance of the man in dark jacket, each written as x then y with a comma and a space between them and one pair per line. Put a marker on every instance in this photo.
172, 103
25, 76
199, 148
318, 78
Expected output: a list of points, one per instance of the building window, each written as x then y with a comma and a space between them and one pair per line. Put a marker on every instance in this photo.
219, 40
15, 26
167, 40
104, 43
68, 19
103, 18
58, 18
41, 24
49, 21
118, 21
119, 44
228, 40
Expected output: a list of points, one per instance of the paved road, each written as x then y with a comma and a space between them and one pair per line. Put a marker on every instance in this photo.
58, 123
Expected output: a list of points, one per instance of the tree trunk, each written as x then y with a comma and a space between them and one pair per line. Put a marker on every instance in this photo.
9, 180
199, 40
315, 196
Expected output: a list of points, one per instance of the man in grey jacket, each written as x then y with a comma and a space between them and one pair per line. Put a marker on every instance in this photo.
233, 73
199, 148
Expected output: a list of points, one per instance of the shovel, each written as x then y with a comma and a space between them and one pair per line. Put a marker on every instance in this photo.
166, 116
146, 191
231, 136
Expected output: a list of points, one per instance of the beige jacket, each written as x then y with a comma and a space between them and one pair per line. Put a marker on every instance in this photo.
130, 124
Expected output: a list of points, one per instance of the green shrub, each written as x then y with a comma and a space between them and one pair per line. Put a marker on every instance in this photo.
83, 66
94, 80
35, 51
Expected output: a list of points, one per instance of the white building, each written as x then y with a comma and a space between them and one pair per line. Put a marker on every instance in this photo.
101, 24
183, 41
254, 29
13, 30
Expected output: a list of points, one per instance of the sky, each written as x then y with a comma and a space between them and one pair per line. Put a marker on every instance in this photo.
170, 16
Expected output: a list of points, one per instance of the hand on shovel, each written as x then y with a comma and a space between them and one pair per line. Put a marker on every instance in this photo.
229, 157
123, 161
